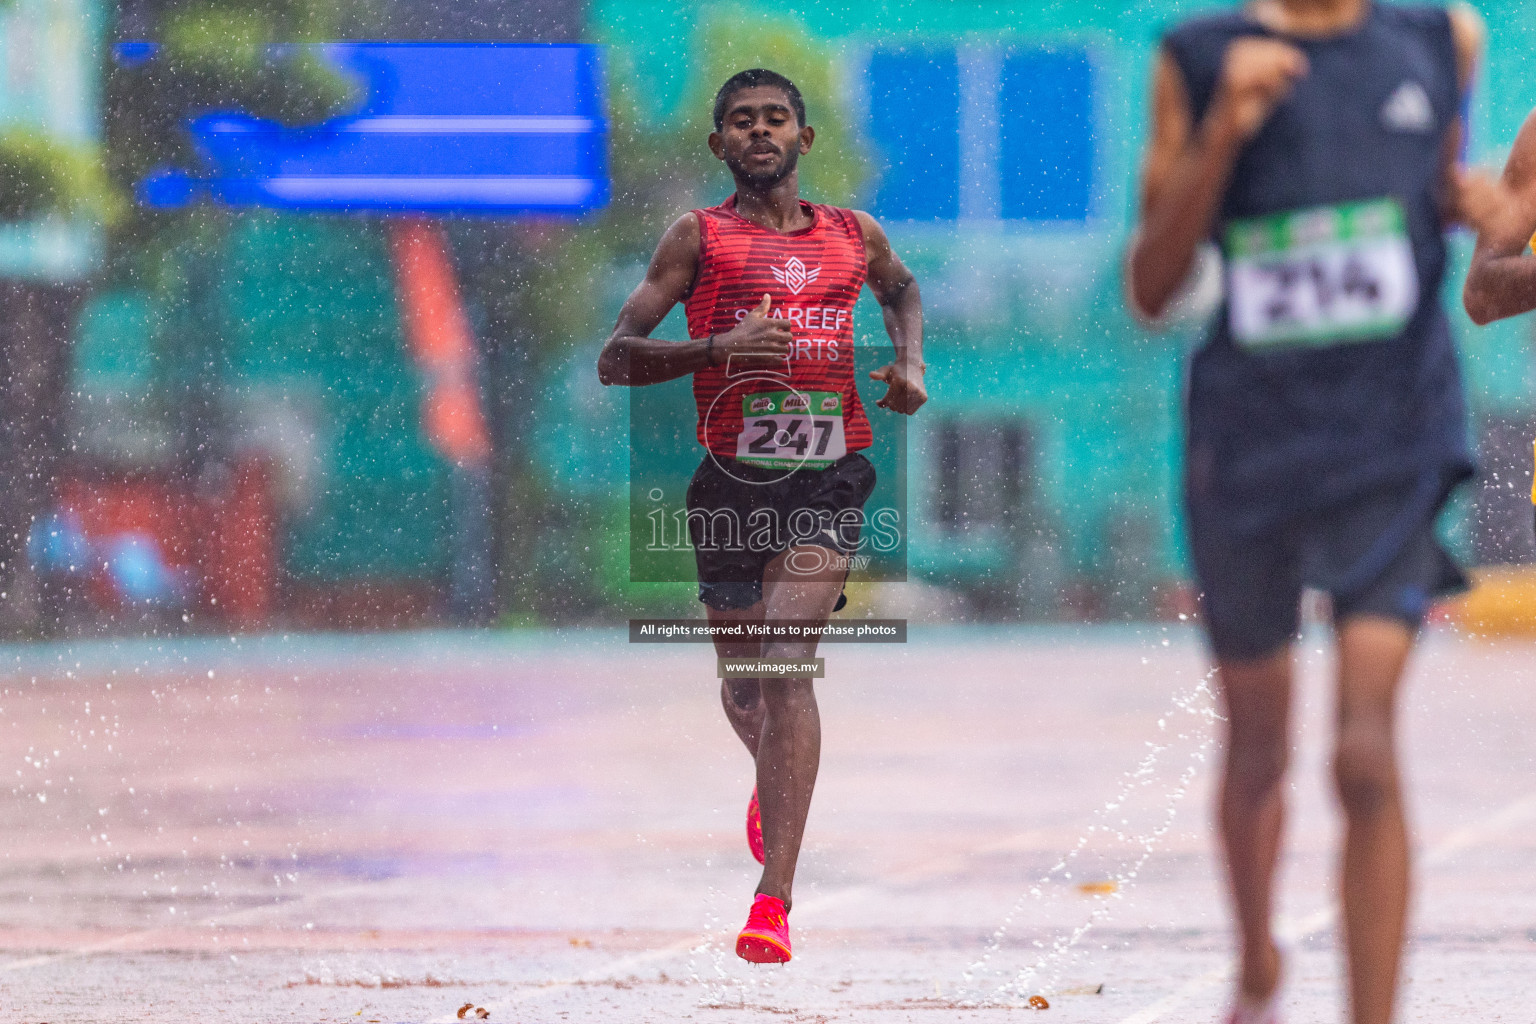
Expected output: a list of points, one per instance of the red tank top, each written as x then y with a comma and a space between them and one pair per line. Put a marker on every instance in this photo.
806, 413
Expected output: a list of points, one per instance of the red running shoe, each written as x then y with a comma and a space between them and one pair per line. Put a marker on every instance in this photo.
765, 939
755, 827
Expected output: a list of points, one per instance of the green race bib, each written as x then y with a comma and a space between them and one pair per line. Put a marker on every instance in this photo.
1321, 276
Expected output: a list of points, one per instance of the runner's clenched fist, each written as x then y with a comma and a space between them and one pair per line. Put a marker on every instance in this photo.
759, 339
1256, 76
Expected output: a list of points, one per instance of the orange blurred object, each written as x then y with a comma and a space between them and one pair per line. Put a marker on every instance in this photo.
437, 331
1502, 602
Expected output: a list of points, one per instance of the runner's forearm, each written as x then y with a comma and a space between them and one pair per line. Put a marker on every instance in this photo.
903, 316
1499, 287
638, 361
1502, 279
1180, 217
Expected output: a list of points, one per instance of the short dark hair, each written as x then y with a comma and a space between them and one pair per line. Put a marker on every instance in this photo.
751, 79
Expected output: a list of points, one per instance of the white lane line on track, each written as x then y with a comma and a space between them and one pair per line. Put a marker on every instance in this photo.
612, 972
1291, 932
1176, 998
128, 938
615, 971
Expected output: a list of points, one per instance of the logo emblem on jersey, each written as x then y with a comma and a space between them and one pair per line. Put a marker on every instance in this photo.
829, 403
797, 403
1408, 109
762, 404
795, 275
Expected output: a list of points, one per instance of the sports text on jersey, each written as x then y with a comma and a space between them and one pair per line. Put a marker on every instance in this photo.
811, 318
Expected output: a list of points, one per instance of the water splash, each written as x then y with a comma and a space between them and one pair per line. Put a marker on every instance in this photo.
717, 987
1197, 703
726, 982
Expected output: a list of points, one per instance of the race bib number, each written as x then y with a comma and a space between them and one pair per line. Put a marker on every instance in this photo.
1319, 277
791, 429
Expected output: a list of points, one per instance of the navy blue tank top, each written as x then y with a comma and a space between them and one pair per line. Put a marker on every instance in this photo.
1330, 369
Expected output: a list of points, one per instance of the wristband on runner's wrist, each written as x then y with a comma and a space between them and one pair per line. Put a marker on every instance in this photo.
709, 350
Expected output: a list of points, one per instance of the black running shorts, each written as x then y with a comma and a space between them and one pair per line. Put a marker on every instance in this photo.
740, 517
1376, 555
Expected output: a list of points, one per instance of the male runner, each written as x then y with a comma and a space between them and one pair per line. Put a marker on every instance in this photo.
769, 282
1314, 142
1502, 280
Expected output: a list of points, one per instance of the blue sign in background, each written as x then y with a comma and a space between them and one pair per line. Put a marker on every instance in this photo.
1031, 109
482, 128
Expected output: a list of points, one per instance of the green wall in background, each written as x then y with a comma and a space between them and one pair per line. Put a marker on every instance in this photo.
1023, 321
290, 322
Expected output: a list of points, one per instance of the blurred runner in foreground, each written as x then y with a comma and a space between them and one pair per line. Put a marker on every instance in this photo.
1313, 141
769, 282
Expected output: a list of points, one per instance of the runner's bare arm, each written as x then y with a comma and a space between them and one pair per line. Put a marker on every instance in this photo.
1187, 165
1502, 280
1469, 34
633, 357
901, 305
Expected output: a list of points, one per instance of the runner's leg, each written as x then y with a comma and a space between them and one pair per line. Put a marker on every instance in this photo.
741, 698
1372, 653
1257, 694
789, 751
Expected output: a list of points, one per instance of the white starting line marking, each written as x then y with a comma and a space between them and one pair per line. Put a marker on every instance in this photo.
127, 938
1289, 933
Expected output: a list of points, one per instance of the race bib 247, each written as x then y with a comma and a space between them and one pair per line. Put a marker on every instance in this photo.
791, 429
1321, 276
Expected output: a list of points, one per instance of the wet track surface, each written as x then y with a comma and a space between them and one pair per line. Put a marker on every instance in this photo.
549, 826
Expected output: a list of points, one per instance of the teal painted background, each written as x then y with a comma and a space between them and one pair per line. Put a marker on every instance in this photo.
1027, 322
1025, 326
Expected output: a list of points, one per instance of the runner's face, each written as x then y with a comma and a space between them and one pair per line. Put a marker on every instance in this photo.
761, 140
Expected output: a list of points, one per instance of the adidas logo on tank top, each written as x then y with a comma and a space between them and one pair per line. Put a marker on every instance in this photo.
1408, 109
